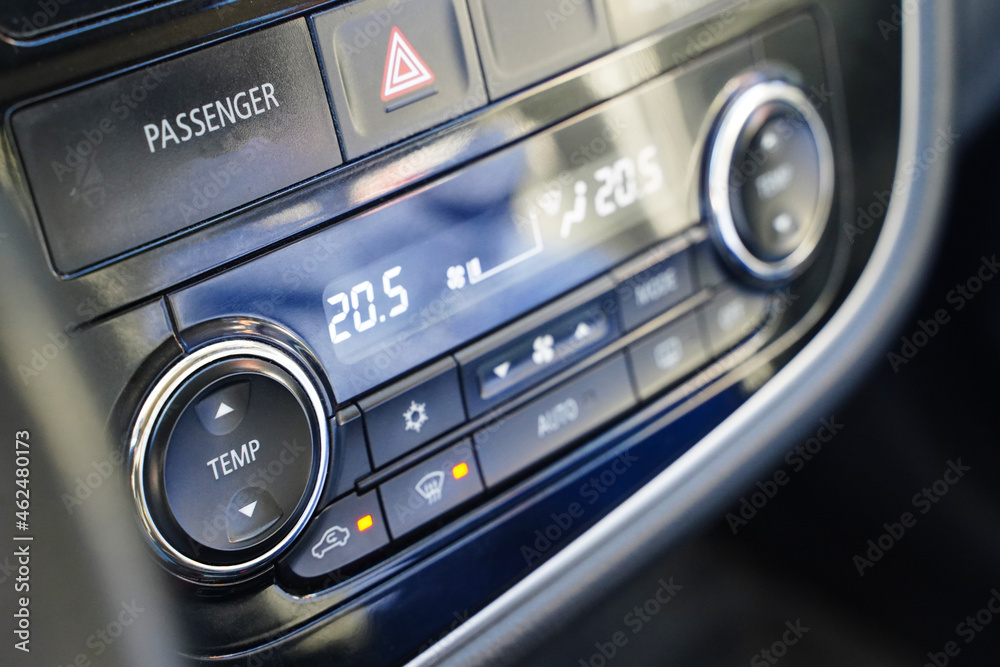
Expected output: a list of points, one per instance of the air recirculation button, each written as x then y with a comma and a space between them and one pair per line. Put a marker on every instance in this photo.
229, 455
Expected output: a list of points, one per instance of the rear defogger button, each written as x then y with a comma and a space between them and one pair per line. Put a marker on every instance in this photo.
231, 463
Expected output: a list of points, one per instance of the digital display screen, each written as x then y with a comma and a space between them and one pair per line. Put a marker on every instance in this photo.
478, 268
396, 287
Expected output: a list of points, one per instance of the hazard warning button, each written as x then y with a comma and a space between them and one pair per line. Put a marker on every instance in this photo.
405, 71
396, 68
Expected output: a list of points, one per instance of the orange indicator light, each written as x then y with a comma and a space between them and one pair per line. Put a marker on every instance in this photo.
460, 471
365, 522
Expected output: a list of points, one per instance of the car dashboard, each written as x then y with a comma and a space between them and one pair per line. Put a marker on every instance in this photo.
387, 332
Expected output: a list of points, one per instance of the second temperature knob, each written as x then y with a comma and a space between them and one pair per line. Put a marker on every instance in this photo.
770, 181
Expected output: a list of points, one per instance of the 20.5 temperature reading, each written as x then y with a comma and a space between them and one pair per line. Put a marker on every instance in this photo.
361, 302
620, 181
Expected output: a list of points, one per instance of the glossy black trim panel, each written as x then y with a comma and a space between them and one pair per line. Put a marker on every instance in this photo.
745, 445
306, 208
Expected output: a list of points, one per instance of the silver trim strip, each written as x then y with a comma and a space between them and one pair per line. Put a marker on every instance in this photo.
680, 497
150, 412
720, 165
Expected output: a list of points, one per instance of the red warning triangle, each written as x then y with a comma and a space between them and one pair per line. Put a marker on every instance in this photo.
405, 71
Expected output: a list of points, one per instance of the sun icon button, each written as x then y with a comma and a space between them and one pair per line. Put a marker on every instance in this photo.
401, 418
415, 416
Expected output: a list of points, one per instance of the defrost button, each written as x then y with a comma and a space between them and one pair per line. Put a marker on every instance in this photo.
431, 488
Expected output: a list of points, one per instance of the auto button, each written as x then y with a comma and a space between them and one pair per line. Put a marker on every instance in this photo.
524, 437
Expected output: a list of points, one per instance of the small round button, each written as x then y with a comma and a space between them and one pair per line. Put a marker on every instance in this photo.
229, 456
770, 181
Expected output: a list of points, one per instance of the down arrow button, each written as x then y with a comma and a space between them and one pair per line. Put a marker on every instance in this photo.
251, 512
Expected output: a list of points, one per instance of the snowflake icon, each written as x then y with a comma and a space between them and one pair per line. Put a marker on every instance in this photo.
544, 350
415, 416
456, 277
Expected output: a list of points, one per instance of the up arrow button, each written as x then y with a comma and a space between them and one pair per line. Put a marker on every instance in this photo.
223, 410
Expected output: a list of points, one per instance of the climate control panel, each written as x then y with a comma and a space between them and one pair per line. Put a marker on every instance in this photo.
389, 387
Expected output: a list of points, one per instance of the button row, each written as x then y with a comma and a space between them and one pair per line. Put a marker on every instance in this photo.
410, 413
400, 418
516, 441
355, 528
396, 67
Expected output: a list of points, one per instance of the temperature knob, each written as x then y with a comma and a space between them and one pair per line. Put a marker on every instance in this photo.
770, 181
229, 456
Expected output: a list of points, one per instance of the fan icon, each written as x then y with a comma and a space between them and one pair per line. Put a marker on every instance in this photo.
456, 277
544, 351
415, 416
